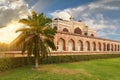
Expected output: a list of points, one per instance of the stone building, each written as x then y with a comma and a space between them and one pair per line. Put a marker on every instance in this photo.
77, 36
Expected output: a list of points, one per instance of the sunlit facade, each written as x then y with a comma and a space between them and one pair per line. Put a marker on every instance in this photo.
77, 36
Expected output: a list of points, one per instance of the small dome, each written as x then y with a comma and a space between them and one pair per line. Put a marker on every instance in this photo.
62, 15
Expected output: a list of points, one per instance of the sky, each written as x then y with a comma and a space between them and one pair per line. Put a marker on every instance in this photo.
102, 15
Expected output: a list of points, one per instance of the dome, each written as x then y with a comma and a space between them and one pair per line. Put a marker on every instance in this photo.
62, 15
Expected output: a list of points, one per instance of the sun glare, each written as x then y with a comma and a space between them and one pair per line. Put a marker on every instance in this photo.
8, 34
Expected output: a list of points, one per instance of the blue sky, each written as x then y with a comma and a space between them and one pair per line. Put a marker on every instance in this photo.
53, 5
103, 15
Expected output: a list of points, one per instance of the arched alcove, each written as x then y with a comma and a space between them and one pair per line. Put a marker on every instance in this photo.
71, 45
65, 30
99, 46
108, 47
79, 45
77, 31
61, 45
93, 46
87, 46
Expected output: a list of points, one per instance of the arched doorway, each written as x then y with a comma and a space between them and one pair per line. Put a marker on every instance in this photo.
118, 47
108, 47
79, 46
71, 45
115, 47
99, 46
111, 47
87, 46
104, 47
77, 31
93, 46
61, 45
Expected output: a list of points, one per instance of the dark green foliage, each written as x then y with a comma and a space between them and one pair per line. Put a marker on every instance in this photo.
74, 58
38, 37
10, 63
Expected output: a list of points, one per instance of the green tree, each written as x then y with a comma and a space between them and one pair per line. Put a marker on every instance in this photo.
37, 37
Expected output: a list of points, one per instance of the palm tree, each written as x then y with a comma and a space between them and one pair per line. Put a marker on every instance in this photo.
37, 37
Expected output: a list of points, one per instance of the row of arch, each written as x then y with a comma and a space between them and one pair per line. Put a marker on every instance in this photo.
80, 45
76, 31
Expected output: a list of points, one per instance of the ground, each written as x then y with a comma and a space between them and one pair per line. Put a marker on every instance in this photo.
102, 69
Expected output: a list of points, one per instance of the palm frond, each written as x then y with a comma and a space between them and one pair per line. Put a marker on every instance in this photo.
38, 38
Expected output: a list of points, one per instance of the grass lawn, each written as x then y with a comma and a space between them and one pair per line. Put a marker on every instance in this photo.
102, 69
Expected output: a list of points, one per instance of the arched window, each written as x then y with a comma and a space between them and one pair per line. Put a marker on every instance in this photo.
92, 35
71, 45
86, 34
55, 27
77, 31
79, 45
65, 30
87, 46
61, 44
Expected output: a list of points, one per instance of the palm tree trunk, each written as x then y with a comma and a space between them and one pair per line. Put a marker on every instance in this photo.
36, 62
36, 52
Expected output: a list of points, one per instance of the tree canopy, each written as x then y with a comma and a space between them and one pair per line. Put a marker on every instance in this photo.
37, 37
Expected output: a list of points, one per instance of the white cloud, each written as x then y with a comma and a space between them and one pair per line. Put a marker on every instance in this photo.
10, 12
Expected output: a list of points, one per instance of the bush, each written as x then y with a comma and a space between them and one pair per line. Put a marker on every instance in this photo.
10, 63
74, 58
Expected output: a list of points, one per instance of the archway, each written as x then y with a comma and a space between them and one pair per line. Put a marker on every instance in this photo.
87, 46
92, 35
115, 47
65, 30
61, 45
99, 46
108, 47
71, 45
77, 31
79, 45
118, 47
93, 46
55, 27
104, 47
111, 47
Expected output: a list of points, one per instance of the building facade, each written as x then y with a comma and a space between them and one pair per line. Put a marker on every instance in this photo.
77, 36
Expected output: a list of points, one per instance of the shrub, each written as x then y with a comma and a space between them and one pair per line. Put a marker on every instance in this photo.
10, 63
